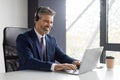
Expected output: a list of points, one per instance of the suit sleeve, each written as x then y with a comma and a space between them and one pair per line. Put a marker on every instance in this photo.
26, 58
61, 57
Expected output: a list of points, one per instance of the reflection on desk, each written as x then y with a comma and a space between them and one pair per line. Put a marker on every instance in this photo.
96, 74
92, 75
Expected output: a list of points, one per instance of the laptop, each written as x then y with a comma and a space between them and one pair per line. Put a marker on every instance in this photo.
89, 61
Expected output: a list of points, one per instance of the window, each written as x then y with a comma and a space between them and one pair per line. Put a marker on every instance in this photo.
83, 20
114, 21
82, 26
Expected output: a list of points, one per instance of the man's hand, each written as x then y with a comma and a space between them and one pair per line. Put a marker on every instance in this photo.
77, 63
64, 66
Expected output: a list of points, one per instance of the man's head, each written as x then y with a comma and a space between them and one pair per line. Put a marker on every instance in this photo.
44, 18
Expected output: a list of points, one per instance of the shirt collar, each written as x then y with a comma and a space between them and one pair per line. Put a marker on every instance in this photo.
39, 35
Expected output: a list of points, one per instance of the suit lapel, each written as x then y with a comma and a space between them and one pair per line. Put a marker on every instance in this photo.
36, 43
48, 52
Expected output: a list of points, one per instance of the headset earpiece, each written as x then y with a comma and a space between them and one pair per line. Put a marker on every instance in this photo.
36, 14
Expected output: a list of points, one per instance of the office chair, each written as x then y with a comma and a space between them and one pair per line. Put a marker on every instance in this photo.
9, 47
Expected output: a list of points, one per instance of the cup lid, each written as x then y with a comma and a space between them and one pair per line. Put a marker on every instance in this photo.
110, 57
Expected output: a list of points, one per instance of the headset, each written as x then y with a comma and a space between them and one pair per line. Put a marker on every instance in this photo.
36, 18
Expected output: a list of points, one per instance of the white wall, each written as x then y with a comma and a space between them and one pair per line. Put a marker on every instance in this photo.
12, 13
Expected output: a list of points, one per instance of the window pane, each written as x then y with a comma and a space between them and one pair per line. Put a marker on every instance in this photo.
114, 21
82, 26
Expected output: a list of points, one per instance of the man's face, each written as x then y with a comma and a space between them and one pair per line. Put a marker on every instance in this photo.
44, 24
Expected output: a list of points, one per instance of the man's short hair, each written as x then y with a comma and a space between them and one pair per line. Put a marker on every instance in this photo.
42, 11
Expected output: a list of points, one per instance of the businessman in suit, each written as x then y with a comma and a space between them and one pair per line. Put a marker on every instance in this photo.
37, 50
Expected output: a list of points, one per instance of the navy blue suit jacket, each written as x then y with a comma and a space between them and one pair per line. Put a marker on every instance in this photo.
29, 52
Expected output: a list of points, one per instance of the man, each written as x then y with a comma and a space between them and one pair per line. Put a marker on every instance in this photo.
37, 50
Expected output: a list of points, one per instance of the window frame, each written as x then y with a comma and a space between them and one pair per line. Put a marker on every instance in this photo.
104, 32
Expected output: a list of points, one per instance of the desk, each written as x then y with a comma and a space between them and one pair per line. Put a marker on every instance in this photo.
96, 74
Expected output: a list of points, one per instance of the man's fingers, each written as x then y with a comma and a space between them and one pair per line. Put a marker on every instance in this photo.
70, 66
67, 66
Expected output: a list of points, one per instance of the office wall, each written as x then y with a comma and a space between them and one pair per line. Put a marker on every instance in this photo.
12, 13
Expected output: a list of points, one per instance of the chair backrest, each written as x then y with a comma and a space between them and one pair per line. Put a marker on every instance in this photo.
9, 47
